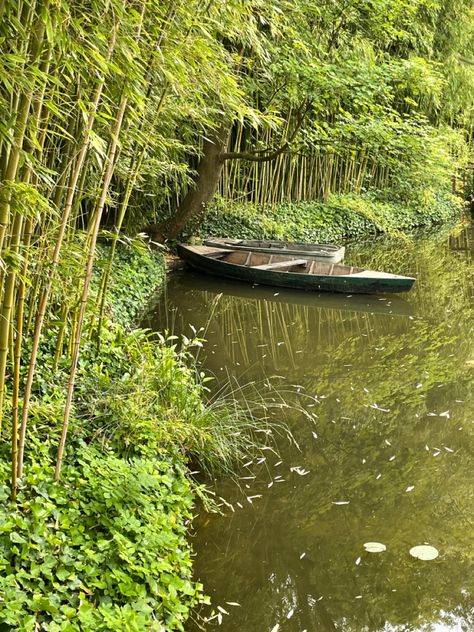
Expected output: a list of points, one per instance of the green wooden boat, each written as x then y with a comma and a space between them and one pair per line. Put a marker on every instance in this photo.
293, 272
330, 253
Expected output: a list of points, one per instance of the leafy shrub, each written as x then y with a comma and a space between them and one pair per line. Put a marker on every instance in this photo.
136, 273
105, 549
341, 216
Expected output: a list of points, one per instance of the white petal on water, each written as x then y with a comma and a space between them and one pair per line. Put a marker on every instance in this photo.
424, 552
378, 476
387, 442
358, 561
299, 470
392, 458
410, 488
290, 614
233, 603
314, 434
302, 555
276, 628
375, 547
358, 596
445, 414
341, 502
270, 484
448, 449
221, 609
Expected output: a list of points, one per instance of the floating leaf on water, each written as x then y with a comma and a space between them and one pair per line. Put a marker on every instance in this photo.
410, 488
424, 552
341, 502
375, 547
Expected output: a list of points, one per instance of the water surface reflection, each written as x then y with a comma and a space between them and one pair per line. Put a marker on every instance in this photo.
389, 433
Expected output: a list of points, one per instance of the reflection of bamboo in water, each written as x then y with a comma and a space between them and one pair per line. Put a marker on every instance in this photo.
273, 323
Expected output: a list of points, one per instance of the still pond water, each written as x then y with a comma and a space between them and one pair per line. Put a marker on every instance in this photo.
384, 453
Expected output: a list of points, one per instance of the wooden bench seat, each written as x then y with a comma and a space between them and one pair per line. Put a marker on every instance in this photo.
289, 263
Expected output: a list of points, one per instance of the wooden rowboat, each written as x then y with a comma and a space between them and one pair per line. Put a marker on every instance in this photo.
330, 253
289, 271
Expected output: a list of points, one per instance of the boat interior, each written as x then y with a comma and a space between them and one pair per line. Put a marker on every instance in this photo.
255, 243
280, 263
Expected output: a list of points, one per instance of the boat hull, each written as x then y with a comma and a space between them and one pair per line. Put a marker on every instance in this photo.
347, 284
329, 253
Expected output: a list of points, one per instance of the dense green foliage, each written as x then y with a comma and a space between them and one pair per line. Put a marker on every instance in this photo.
341, 216
104, 550
138, 271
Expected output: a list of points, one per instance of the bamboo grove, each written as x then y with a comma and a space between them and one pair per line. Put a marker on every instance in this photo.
107, 108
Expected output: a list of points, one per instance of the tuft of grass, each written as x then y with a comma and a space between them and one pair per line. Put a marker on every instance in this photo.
162, 404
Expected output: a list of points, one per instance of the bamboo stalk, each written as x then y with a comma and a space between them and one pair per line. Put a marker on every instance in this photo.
43, 301
87, 279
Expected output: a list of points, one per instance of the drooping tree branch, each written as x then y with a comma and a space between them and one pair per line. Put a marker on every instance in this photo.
254, 156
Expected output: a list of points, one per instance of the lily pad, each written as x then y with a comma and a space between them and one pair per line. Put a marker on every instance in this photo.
424, 552
375, 547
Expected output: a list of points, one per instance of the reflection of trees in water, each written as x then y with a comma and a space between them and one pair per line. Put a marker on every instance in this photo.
353, 363
395, 588
442, 264
273, 335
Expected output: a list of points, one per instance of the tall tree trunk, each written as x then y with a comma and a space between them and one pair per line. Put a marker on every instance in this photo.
205, 185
